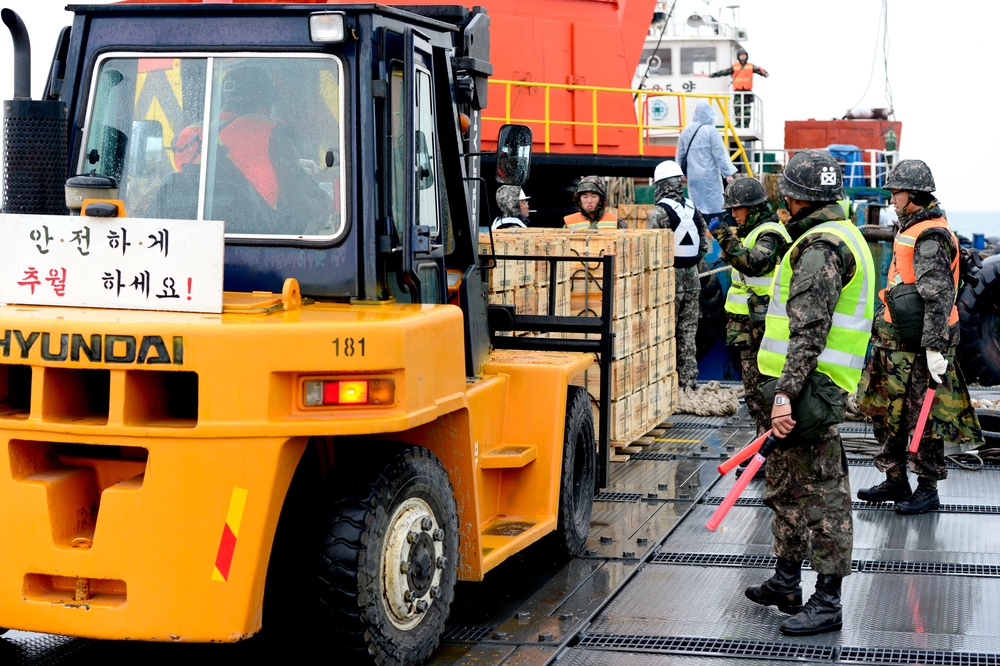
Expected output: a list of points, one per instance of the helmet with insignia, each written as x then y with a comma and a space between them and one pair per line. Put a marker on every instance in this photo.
812, 175
744, 192
910, 175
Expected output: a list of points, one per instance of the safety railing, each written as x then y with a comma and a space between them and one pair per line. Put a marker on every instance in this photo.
862, 168
642, 126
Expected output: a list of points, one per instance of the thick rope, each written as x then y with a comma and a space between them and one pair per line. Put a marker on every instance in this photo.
709, 399
720, 269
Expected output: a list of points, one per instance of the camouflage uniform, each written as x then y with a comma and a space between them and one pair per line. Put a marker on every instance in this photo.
896, 378
744, 333
687, 301
594, 185
807, 484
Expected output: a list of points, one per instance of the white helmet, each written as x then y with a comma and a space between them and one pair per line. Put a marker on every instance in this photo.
667, 169
522, 196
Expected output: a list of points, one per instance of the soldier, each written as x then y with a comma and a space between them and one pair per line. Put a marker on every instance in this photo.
674, 211
590, 198
815, 339
509, 203
753, 252
915, 335
742, 73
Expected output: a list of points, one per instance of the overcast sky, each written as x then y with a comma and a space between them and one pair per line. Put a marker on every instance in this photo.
824, 57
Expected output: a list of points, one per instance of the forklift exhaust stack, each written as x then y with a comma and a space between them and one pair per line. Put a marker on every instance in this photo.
34, 136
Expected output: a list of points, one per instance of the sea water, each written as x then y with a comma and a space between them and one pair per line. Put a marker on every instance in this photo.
966, 223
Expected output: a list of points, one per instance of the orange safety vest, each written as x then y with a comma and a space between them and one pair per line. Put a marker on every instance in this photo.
247, 139
901, 269
742, 76
577, 222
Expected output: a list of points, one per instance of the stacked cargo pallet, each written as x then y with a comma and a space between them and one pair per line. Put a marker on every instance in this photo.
634, 215
643, 372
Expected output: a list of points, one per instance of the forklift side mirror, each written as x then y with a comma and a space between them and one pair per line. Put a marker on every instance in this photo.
513, 154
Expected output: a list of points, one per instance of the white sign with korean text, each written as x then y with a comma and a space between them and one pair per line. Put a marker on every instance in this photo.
120, 263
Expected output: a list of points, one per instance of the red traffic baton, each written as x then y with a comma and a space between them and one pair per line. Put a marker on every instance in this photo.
741, 455
925, 410
741, 483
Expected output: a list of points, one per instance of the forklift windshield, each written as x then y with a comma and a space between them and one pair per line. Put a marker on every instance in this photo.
270, 164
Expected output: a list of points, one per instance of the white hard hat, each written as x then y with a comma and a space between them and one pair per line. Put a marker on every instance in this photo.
522, 196
667, 169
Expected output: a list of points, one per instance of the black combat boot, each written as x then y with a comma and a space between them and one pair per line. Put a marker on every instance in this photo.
783, 589
821, 613
923, 500
761, 471
895, 488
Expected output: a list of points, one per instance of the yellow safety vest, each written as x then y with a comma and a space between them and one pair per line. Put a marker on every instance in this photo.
846, 205
738, 298
843, 356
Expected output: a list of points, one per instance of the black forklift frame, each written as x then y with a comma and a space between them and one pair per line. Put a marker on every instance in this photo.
503, 319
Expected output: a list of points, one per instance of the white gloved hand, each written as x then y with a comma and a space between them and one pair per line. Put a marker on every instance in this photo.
936, 364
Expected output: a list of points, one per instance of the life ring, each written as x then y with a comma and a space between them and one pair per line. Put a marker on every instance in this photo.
979, 317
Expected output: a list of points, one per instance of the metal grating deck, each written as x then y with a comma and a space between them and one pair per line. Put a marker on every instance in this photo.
857, 655
713, 646
617, 497
923, 588
862, 506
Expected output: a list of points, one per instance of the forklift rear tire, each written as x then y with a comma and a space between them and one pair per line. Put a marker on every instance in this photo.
389, 560
979, 316
578, 476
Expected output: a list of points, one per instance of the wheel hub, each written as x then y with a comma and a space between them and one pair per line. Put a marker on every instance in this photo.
412, 563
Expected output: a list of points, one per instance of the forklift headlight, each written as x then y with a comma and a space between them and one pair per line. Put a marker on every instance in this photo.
326, 27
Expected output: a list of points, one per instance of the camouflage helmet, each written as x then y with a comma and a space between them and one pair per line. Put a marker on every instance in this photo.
744, 192
741, 52
910, 175
507, 200
593, 184
812, 175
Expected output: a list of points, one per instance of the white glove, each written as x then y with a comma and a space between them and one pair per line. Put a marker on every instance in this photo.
936, 364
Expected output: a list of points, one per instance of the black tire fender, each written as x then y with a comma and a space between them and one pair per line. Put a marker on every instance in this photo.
978, 305
389, 559
578, 474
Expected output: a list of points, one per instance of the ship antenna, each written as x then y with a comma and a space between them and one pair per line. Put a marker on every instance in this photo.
884, 19
663, 30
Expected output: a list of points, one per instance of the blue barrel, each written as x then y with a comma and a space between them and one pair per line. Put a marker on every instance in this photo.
978, 241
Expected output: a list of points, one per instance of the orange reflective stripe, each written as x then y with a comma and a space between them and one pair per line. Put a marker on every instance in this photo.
577, 222
901, 268
230, 531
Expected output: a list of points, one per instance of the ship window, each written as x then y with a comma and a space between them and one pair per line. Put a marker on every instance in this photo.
657, 63
698, 60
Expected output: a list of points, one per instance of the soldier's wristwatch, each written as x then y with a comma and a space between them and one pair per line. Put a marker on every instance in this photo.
781, 399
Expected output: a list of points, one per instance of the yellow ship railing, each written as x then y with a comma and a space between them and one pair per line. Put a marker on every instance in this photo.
640, 98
